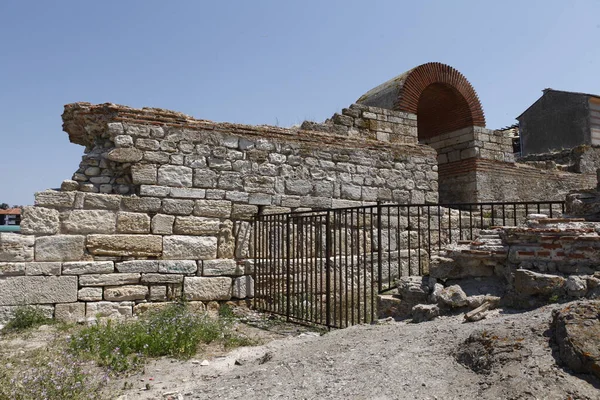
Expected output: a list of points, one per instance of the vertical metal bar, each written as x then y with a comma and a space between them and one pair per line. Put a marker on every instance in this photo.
379, 249
515, 214
364, 257
352, 244
273, 262
342, 236
538, 208
449, 225
389, 246
419, 239
408, 229
471, 223
460, 235
288, 265
492, 223
399, 267
503, 215
358, 263
333, 255
328, 269
346, 267
550, 205
428, 232
372, 268
481, 216
439, 228
254, 258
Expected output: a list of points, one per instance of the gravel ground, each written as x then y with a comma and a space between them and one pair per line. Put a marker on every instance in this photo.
505, 356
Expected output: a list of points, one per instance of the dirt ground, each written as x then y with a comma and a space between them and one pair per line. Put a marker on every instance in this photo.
508, 355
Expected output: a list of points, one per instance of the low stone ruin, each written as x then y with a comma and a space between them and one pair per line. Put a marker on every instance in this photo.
548, 260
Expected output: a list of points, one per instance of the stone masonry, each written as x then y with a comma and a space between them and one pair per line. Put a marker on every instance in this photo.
161, 205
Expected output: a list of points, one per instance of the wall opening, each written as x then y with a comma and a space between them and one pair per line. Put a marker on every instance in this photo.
441, 109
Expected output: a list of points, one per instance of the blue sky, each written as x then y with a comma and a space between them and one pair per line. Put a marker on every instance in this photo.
265, 62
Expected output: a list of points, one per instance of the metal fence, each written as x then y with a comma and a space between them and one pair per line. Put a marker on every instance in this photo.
326, 267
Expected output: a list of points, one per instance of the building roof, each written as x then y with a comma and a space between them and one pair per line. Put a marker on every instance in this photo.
11, 211
558, 91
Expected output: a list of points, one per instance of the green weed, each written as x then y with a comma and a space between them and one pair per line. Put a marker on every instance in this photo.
172, 331
26, 317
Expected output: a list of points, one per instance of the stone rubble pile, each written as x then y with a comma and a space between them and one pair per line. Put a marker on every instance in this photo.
548, 260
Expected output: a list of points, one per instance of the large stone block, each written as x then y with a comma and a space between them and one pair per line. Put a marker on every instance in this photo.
55, 199
16, 247
102, 201
243, 211
20, 290
162, 224
532, 283
88, 267
69, 312
13, 269
196, 226
162, 278
243, 287
175, 175
125, 155
108, 279
188, 193
177, 206
59, 248
206, 289
138, 266
213, 208
189, 247
108, 309
128, 222
177, 267
42, 268
40, 221
220, 267
89, 221
90, 294
125, 245
127, 292
141, 204
144, 174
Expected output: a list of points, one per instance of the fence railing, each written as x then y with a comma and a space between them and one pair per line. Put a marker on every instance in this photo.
327, 267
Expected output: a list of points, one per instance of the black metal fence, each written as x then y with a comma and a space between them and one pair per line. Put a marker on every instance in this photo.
326, 267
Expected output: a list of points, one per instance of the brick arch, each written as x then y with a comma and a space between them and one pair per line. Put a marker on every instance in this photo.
442, 98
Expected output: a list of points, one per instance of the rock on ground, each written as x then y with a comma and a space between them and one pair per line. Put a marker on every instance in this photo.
577, 333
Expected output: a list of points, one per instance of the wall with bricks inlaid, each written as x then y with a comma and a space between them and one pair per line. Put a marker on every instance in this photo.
161, 204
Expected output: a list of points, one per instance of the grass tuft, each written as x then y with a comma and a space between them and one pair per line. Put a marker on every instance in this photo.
52, 377
172, 331
26, 317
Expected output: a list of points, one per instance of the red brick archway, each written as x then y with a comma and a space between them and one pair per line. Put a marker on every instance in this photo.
442, 98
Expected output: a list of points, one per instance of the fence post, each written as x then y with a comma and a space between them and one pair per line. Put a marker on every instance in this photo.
288, 263
328, 268
255, 258
379, 249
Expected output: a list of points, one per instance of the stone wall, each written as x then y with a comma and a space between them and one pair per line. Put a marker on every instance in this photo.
583, 159
161, 204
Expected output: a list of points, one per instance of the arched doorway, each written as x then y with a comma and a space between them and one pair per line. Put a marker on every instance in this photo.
447, 110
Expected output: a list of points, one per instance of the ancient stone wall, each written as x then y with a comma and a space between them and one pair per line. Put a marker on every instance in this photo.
161, 204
